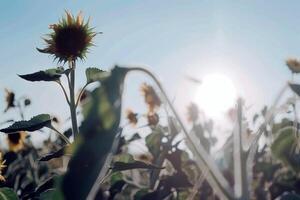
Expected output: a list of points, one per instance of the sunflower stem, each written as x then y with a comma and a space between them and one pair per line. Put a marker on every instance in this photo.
214, 175
72, 99
80, 94
65, 139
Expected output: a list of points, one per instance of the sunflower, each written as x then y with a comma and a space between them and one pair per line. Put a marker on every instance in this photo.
2, 166
70, 39
131, 117
192, 112
151, 97
16, 141
10, 99
153, 119
293, 64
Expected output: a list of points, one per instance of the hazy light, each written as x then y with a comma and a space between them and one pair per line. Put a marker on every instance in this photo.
216, 95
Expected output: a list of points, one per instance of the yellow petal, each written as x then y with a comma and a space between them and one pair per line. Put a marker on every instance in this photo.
79, 20
69, 18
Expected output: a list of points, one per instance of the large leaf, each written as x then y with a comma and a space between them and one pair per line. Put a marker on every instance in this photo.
48, 75
283, 148
95, 74
98, 132
7, 194
33, 124
121, 166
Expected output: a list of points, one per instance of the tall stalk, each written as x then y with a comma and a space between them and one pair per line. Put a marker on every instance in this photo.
205, 162
72, 105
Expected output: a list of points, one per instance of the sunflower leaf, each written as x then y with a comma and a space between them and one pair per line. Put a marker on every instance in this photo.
94, 74
8, 193
122, 166
295, 88
99, 128
33, 124
52, 74
56, 154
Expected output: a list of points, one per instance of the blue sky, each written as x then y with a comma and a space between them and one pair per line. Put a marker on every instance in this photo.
247, 41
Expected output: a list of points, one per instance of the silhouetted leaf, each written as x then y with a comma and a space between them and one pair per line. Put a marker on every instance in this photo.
135, 136
7, 194
95, 74
33, 124
52, 155
48, 75
121, 166
101, 119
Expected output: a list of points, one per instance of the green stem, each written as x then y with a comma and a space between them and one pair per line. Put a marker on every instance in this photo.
64, 91
60, 134
214, 176
72, 99
80, 94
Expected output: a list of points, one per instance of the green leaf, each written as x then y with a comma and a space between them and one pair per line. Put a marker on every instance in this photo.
295, 88
121, 166
95, 74
153, 142
283, 148
100, 125
56, 154
7, 194
52, 74
33, 124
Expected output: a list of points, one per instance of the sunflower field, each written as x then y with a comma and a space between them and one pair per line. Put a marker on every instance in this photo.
93, 158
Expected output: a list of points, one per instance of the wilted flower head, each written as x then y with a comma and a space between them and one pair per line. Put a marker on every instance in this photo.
70, 39
293, 64
2, 166
16, 141
153, 119
131, 117
10, 99
151, 97
192, 112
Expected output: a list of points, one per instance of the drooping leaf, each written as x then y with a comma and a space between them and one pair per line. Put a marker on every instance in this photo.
101, 118
44, 186
7, 194
52, 74
95, 74
56, 154
35, 123
121, 166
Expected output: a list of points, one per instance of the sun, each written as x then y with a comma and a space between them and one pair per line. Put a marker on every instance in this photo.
216, 95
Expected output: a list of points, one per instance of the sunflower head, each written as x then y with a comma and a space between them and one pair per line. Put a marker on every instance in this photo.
293, 64
192, 112
16, 141
151, 98
70, 39
152, 118
131, 117
10, 99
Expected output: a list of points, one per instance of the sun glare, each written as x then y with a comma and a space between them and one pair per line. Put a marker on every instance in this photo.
215, 95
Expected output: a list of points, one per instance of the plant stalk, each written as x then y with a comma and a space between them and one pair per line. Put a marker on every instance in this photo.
72, 99
214, 176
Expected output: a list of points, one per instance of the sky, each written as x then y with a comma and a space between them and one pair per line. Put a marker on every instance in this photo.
248, 41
